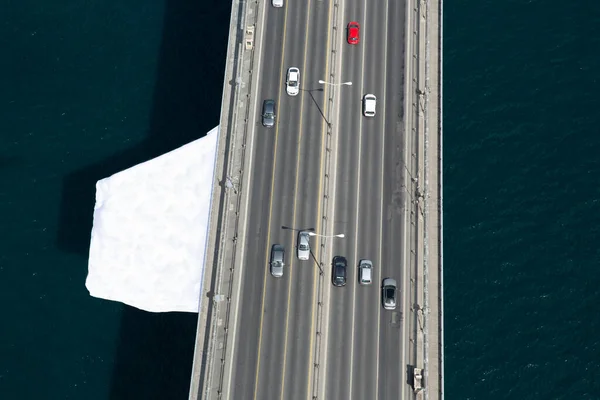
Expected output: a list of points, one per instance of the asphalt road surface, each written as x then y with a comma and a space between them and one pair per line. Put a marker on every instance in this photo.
367, 349
274, 336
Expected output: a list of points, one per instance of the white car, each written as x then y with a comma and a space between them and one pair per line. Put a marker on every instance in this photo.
369, 105
277, 3
365, 268
292, 81
303, 246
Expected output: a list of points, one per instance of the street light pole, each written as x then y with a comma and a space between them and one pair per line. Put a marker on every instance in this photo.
322, 82
339, 235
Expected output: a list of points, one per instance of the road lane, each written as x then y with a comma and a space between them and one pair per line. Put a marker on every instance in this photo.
341, 313
366, 327
284, 361
270, 373
353, 61
359, 330
274, 357
298, 365
368, 304
246, 356
392, 362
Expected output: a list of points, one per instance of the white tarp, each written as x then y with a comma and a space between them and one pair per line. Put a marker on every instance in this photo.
150, 227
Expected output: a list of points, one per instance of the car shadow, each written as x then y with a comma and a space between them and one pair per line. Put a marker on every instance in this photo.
154, 351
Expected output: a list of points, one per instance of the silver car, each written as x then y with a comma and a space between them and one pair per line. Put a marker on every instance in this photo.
303, 246
277, 260
389, 293
365, 272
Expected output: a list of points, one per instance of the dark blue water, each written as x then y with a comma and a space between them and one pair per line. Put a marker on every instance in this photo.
522, 199
87, 89
90, 88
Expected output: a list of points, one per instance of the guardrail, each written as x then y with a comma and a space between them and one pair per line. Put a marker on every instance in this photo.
235, 189
425, 95
419, 252
421, 81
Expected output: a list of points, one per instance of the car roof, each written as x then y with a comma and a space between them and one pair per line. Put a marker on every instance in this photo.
389, 282
303, 238
366, 274
269, 104
390, 294
370, 103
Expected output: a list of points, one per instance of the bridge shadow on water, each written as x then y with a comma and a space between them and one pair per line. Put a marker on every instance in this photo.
155, 351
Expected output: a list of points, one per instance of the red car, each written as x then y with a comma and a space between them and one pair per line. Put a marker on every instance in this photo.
353, 32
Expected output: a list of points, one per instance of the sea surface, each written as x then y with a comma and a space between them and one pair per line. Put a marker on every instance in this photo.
88, 88
522, 199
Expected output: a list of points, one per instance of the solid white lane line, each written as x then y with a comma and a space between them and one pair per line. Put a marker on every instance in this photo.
362, 81
381, 183
408, 123
250, 153
271, 195
295, 192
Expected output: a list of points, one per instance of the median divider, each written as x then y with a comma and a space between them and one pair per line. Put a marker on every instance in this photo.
323, 288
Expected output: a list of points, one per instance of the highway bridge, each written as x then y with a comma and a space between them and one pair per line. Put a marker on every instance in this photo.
326, 168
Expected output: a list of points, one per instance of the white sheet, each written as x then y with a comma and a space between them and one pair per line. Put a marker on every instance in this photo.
150, 227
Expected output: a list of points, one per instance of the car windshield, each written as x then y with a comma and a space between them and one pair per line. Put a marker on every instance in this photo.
303, 247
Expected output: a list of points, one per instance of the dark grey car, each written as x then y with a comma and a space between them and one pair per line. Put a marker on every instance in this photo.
277, 260
268, 113
338, 273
